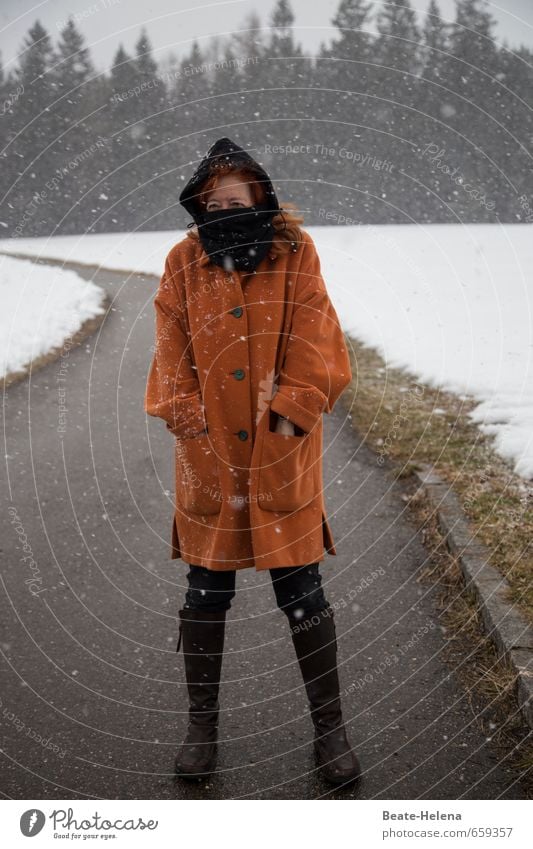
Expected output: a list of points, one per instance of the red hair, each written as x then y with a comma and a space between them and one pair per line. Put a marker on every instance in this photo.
286, 223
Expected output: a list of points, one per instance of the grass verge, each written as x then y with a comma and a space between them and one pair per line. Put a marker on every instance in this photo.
406, 423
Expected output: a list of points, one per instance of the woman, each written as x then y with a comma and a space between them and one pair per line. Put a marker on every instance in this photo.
249, 353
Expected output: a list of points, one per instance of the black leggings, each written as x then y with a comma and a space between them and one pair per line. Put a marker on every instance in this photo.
297, 588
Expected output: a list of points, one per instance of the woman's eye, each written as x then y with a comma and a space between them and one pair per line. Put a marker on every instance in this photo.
213, 205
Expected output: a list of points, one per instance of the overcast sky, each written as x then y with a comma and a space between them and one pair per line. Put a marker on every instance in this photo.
172, 24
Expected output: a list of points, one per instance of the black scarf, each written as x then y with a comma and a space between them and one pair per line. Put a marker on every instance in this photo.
237, 238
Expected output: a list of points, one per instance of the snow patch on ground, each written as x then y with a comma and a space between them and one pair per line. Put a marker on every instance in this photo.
42, 307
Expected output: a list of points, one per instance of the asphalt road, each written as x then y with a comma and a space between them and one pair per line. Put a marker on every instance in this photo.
93, 701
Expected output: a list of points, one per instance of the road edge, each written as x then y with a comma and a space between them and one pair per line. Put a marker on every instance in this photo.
74, 264
508, 630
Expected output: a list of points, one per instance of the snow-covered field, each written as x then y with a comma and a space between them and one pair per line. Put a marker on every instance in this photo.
41, 307
450, 303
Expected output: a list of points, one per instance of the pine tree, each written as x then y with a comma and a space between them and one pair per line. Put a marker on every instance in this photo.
151, 96
74, 59
471, 77
431, 86
513, 110
352, 50
342, 97
144, 60
287, 70
399, 36
122, 179
470, 65
255, 78
248, 46
472, 46
194, 80
225, 89
6, 106
33, 130
397, 51
435, 42
148, 127
123, 75
345, 65
78, 141
281, 42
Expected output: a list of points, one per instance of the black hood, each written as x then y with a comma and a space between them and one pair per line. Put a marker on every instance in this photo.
225, 149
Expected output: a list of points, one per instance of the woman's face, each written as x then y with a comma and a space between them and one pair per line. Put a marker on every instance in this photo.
231, 192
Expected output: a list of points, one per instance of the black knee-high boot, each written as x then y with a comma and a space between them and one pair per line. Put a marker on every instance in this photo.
315, 642
202, 633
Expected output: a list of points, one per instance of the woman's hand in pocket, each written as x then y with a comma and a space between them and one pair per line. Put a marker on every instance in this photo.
284, 426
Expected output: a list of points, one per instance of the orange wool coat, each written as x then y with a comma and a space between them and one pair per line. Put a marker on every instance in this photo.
230, 348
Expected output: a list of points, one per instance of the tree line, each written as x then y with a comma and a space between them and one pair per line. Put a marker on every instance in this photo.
390, 121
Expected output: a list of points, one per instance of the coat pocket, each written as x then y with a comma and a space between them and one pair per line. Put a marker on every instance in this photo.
197, 478
289, 472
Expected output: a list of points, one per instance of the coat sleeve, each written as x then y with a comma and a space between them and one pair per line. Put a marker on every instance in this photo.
316, 368
172, 388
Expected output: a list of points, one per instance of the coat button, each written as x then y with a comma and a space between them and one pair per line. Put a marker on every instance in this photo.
237, 312
243, 434
238, 374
